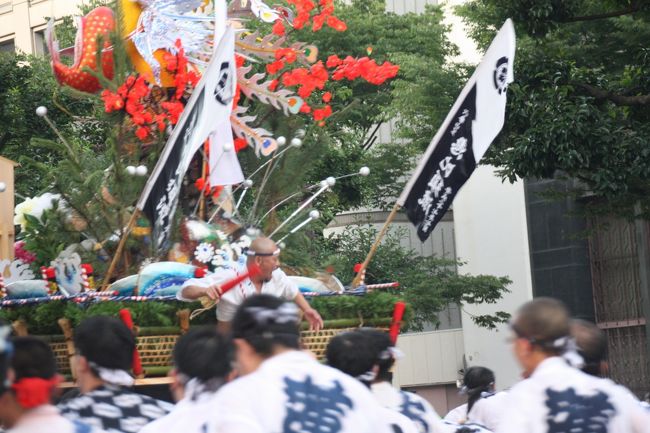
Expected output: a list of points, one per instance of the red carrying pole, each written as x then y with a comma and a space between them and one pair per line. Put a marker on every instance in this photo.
125, 316
398, 314
251, 272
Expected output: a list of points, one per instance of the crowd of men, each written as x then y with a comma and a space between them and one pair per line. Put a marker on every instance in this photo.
250, 374
259, 379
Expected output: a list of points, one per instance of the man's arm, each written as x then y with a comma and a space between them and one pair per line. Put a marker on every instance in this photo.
208, 286
212, 291
312, 316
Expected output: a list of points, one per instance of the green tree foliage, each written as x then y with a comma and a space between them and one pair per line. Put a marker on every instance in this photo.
428, 284
579, 106
419, 97
28, 82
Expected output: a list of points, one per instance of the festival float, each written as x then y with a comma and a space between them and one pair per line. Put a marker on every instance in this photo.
186, 89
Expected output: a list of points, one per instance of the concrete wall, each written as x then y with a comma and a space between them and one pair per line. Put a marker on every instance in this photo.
492, 237
408, 6
432, 358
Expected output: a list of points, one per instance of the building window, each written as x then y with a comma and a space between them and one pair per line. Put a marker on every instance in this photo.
40, 48
7, 45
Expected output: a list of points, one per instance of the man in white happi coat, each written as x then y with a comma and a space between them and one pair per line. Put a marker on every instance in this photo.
264, 254
352, 353
557, 397
409, 404
202, 363
591, 343
284, 389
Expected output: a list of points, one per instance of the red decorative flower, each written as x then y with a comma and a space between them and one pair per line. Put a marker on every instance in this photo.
142, 132
278, 28
333, 61
273, 68
327, 97
240, 144
112, 101
174, 110
287, 54
322, 113
336, 24
305, 108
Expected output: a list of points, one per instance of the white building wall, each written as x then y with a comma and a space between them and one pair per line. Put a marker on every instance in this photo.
405, 6
492, 237
458, 35
23, 21
432, 358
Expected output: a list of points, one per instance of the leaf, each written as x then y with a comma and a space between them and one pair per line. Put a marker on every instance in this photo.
258, 138
250, 44
283, 99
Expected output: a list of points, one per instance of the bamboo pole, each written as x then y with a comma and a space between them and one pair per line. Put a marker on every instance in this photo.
204, 176
66, 327
118, 251
374, 246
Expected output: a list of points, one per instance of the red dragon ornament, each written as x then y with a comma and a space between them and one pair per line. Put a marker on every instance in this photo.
99, 23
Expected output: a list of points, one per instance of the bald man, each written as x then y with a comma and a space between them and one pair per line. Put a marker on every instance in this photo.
271, 280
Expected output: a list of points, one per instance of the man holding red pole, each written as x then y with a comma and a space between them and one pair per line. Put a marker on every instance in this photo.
268, 278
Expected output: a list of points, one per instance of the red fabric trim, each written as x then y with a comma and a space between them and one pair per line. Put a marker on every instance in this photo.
34, 391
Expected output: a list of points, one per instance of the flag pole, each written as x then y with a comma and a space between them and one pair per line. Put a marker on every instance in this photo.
118, 251
373, 248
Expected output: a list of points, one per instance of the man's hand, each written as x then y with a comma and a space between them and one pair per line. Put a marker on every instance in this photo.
314, 319
213, 292
211, 295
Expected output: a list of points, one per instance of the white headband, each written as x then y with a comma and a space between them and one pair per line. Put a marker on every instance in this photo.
252, 253
570, 351
113, 377
391, 352
285, 313
368, 376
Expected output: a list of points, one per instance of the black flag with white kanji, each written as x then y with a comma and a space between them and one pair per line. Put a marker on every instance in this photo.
207, 109
473, 123
450, 164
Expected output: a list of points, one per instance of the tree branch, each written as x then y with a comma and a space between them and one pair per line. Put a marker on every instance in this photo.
614, 97
634, 7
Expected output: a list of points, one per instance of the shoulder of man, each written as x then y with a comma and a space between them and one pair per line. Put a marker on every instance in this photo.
279, 273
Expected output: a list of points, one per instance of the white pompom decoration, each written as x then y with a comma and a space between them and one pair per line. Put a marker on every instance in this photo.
141, 170
364, 171
314, 214
281, 141
296, 142
330, 181
3, 187
41, 111
248, 183
252, 231
227, 147
131, 170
